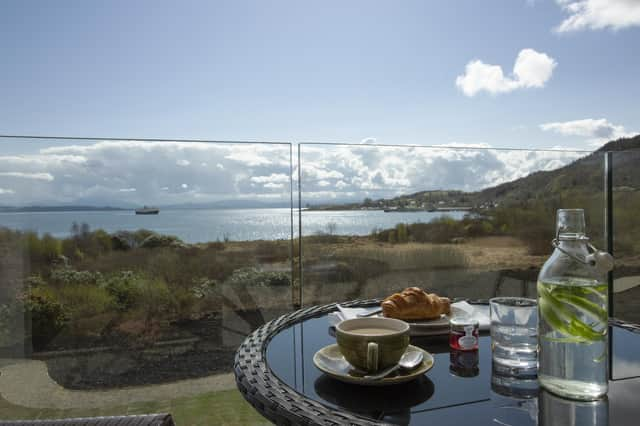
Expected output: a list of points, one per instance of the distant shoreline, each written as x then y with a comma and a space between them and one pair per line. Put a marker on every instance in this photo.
32, 209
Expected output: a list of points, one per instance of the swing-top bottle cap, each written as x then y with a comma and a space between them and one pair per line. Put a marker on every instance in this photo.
570, 224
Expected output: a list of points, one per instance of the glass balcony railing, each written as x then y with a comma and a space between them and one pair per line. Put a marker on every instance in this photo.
625, 204
105, 311
461, 222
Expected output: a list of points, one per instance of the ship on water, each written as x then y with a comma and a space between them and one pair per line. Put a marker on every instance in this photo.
148, 210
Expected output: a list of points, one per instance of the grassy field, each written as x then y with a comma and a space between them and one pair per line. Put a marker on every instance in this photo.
219, 408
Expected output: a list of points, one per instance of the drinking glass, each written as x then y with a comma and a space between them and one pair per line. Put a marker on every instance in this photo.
514, 337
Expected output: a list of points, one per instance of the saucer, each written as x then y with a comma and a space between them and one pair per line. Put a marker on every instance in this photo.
330, 361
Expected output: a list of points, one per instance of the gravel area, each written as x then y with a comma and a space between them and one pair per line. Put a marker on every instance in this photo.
122, 369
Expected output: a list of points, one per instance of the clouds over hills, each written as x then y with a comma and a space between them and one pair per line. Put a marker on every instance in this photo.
135, 172
597, 131
373, 171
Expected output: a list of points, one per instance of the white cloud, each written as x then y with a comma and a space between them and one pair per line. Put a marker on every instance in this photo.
247, 155
38, 176
109, 171
464, 145
95, 173
6, 191
596, 130
368, 141
273, 185
376, 172
599, 14
273, 178
532, 69
183, 162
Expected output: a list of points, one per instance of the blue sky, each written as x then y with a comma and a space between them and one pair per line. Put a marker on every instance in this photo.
318, 71
490, 74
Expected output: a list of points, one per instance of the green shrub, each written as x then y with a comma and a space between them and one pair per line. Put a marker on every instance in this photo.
124, 289
70, 277
252, 277
41, 250
478, 228
48, 315
118, 242
156, 240
169, 265
34, 281
402, 233
440, 230
135, 291
203, 287
534, 225
154, 297
140, 235
84, 301
183, 303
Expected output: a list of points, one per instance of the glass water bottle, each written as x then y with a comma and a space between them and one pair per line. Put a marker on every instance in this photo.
572, 313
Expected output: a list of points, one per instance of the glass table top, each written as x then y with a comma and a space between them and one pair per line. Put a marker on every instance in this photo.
460, 386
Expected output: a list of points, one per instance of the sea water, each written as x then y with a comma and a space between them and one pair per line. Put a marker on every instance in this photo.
573, 337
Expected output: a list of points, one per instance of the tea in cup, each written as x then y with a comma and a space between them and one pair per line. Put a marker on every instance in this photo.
372, 344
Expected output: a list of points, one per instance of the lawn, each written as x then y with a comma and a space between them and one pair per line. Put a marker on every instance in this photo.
215, 408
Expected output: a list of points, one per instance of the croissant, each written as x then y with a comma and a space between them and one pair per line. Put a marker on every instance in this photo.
414, 303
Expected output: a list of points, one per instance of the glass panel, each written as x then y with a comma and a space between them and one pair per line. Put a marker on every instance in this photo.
626, 235
129, 267
461, 222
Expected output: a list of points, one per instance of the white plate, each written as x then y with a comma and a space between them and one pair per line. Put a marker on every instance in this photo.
433, 327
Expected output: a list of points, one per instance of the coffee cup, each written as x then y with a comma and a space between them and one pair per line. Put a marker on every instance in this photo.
372, 344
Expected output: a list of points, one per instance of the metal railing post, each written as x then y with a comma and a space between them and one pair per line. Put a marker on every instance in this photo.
608, 220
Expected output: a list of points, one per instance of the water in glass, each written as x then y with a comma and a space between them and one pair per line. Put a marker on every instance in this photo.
514, 335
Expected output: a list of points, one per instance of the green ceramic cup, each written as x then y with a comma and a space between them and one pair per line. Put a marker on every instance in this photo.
372, 344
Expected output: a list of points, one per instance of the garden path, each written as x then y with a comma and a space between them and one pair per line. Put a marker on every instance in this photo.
27, 383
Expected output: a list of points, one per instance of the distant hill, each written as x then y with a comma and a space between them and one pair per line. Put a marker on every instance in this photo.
230, 204
583, 175
225, 204
9, 209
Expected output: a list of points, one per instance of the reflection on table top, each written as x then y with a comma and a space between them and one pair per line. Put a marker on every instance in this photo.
460, 387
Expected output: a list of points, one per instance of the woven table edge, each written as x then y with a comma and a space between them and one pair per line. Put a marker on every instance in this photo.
273, 398
283, 405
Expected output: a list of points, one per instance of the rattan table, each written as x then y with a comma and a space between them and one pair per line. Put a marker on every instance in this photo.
275, 373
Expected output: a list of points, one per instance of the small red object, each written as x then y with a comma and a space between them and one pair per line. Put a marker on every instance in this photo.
463, 334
